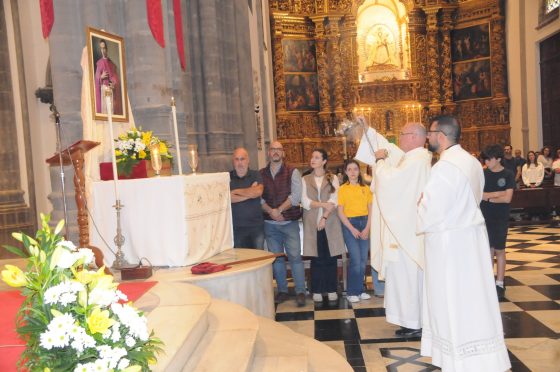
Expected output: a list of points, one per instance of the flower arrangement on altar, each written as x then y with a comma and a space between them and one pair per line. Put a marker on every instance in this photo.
134, 145
74, 318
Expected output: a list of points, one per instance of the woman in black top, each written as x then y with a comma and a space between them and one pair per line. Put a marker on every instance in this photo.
499, 184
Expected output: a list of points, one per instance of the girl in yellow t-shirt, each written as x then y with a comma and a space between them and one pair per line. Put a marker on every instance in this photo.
354, 210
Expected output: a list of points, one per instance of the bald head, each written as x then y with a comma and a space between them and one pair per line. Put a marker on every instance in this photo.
412, 136
240, 161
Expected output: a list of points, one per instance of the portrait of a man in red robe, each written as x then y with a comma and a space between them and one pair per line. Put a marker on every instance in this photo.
106, 76
107, 72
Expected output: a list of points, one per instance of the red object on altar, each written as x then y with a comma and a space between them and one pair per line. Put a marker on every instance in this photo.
141, 170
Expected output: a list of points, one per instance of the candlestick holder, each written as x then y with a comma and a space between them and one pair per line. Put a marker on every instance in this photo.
192, 156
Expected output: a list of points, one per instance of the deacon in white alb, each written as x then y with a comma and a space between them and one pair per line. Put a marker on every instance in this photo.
395, 244
462, 327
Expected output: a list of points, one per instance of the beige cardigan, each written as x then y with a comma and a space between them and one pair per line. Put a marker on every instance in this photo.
333, 227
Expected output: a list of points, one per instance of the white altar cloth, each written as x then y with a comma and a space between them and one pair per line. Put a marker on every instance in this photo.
171, 221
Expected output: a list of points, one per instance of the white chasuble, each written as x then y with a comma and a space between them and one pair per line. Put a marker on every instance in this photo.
397, 251
462, 327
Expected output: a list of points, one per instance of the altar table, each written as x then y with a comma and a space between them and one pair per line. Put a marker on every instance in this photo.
171, 221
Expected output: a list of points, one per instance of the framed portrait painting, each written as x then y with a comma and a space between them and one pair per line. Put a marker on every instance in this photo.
107, 72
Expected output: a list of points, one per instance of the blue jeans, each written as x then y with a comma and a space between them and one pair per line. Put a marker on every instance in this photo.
280, 238
358, 250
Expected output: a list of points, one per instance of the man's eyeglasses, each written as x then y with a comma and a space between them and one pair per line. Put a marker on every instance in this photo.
277, 149
404, 134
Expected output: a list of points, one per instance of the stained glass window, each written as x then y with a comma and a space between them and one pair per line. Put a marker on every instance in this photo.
551, 5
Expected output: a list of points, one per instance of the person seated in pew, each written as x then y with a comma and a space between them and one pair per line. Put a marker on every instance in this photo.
556, 168
532, 172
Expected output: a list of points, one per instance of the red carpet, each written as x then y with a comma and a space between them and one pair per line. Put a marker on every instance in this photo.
11, 346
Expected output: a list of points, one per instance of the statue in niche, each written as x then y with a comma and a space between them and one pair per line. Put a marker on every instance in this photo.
381, 45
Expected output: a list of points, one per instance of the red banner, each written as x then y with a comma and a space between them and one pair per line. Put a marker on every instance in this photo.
47, 16
155, 20
179, 32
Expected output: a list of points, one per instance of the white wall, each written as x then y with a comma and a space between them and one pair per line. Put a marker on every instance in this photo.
523, 38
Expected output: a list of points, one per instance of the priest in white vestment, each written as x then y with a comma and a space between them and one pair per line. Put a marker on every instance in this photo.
400, 251
462, 327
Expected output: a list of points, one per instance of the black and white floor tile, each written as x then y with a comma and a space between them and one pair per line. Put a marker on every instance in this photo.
530, 314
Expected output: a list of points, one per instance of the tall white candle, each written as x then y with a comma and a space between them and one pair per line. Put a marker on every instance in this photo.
109, 105
174, 111
406, 110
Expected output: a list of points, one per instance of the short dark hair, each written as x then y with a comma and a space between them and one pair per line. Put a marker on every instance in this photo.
493, 152
508, 145
449, 126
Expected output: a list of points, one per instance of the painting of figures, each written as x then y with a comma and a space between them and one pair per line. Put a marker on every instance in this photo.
472, 80
301, 92
470, 43
299, 55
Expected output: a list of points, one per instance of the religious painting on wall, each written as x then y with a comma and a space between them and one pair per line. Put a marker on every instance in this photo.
472, 80
107, 72
299, 55
301, 92
470, 43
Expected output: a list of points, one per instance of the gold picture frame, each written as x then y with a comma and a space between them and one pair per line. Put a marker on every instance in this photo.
107, 67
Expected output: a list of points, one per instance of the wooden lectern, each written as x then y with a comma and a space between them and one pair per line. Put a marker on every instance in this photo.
75, 155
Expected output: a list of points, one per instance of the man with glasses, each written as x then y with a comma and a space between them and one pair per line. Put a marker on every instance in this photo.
399, 251
280, 204
462, 327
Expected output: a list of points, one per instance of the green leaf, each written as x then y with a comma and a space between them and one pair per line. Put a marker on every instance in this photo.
15, 250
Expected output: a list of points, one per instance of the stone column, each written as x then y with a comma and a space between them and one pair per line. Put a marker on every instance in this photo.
15, 214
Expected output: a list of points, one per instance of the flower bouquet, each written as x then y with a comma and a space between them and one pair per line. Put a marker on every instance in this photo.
134, 145
74, 318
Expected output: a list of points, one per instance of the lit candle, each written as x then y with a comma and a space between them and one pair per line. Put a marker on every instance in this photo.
174, 110
109, 105
406, 110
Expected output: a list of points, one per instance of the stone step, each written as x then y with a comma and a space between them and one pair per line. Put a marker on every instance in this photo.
178, 314
281, 349
229, 342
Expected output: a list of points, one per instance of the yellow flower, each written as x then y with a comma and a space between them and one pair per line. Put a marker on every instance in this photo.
99, 321
162, 148
146, 138
118, 153
141, 154
102, 280
14, 277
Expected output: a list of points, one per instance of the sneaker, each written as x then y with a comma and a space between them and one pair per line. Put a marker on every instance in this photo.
300, 299
317, 297
353, 299
365, 296
333, 296
280, 297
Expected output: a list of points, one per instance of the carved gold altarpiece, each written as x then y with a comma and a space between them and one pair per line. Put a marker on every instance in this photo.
391, 61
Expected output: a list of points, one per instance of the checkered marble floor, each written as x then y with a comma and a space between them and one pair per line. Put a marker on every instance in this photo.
530, 314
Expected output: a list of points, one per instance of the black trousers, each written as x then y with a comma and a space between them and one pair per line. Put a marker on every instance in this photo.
323, 267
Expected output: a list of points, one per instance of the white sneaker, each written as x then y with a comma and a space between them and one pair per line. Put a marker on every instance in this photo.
332, 296
365, 296
353, 299
317, 297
